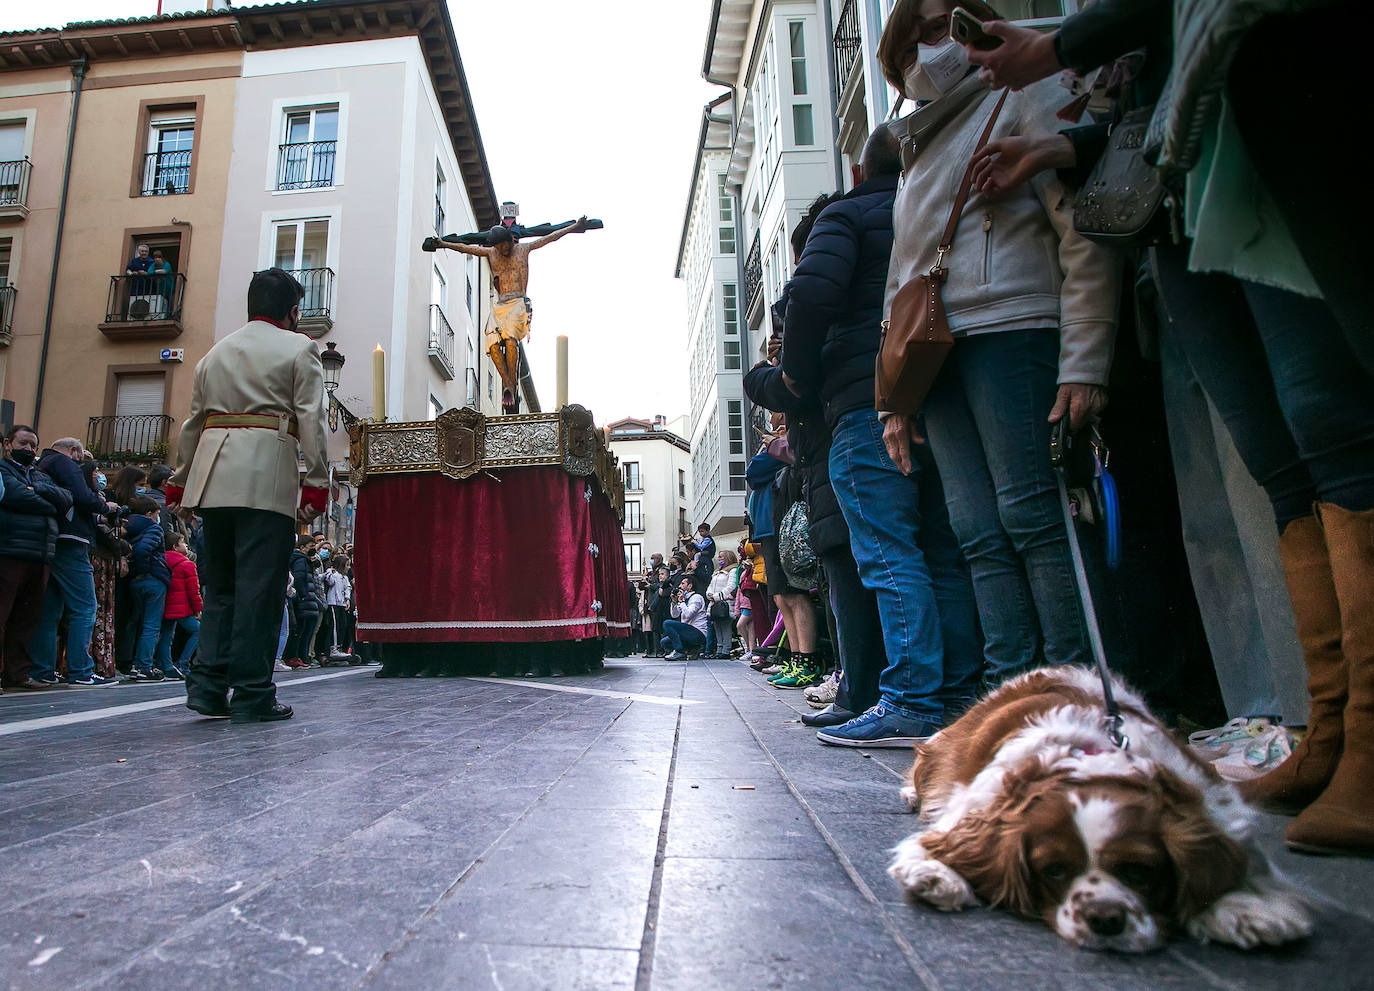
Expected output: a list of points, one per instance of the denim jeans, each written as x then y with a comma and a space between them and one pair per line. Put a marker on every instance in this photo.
71, 585
150, 596
285, 633
164, 642
1298, 404
899, 532
986, 422
680, 636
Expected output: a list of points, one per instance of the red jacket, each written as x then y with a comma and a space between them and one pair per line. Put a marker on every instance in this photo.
183, 595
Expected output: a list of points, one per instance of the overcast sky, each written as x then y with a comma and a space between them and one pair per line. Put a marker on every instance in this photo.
584, 108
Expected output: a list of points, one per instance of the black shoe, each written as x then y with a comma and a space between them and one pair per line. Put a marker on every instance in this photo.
214, 708
275, 713
831, 715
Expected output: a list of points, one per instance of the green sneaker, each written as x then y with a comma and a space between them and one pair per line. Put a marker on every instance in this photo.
805, 675
789, 668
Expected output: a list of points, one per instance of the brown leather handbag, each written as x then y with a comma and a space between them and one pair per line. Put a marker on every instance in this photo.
916, 337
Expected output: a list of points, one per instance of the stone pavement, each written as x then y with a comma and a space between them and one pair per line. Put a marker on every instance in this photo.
474, 834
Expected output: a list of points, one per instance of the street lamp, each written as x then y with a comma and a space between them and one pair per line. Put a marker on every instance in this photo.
333, 361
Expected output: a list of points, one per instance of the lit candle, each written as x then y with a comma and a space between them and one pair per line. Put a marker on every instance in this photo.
379, 385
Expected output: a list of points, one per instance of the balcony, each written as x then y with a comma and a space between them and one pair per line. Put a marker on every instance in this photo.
847, 42
753, 275
14, 190
317, 306
166, 173
144, 307
305, 165
7, 299
132, 440
441, 342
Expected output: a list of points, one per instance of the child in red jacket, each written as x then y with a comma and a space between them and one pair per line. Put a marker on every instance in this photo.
182, 609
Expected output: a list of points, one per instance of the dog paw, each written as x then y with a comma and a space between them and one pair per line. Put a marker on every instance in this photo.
910, 798
930, 881
1247, 920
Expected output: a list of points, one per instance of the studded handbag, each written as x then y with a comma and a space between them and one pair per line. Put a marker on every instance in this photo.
1126, 202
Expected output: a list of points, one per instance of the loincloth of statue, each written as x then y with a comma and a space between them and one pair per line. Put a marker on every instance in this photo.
507, 326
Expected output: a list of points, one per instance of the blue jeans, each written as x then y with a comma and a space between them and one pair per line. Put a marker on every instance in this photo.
986, 421
285, 633
71, 585
164, 642
150, 596
899, 532
680, 636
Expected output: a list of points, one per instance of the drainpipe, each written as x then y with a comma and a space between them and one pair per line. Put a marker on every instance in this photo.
79, 67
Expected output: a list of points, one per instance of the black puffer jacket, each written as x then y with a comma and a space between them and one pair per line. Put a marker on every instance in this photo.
85, 504
835, 309
303, 574
30, 507
808, 435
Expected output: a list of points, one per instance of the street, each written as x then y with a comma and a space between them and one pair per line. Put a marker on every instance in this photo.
656, 825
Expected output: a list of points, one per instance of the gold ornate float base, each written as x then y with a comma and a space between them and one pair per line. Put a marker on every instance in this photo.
462, 442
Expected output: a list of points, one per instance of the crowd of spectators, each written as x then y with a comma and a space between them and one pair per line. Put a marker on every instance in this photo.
943, 531
99, 583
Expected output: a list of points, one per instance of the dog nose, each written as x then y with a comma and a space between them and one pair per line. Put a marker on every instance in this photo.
1105, 918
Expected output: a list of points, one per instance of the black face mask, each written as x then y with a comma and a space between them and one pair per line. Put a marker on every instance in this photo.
24, 458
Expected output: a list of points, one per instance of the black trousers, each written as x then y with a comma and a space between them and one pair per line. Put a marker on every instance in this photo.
861, 652
246, 558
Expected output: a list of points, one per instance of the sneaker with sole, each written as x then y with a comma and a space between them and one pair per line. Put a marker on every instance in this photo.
172, 674
785, 670
90, 681
803, 675
50, 679
822, 695
279, 666
831, 715
135, 676
880, 726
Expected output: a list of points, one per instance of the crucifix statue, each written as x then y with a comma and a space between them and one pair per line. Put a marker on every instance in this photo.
509, 322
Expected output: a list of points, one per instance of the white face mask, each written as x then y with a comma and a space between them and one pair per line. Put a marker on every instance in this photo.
938, 70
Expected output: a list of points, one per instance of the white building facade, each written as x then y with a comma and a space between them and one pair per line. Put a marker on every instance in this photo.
656, 462
346, 156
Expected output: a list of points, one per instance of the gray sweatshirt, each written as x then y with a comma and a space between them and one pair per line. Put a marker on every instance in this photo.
1016, 263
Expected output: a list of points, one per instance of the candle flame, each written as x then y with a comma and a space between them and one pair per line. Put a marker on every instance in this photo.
379, 347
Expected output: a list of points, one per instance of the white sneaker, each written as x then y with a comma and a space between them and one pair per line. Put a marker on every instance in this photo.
820, 696
279, 666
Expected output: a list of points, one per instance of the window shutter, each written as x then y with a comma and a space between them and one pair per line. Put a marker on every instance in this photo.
139, 395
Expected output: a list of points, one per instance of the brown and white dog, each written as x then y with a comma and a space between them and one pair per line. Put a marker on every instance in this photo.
1030, 807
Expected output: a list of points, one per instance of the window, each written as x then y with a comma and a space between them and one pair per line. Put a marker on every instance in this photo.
766, 115
797, 41
730, 297
139, 423
727, 217
301, 247
14, 166
438, 290
682, 519
732, 356
436, 406
491, 389
167, 165
634, 558
737, 476
634, 519
736, 424
6, 249
803, 131
632, 476
440, 192
310, 137
7, 291
682, 483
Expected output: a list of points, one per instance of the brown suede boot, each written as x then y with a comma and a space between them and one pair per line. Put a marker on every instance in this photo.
1341, 820
1296, 783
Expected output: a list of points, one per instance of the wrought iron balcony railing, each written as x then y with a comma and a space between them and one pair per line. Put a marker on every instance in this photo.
128, 439
753, 274
166, 173
144, 298
7, 300
848, 41
318, 284
305, 164
441, 338
14, 183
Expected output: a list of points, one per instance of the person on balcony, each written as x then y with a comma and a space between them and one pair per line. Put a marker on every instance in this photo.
164, 281
71, 582
30, 506
139, 265
255, 406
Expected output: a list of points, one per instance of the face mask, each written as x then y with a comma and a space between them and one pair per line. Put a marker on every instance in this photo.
139, 489
100, 480
938, 70
24, 458
324, 555
720, 563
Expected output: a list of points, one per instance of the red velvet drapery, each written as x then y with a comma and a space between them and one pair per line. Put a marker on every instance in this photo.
507, 558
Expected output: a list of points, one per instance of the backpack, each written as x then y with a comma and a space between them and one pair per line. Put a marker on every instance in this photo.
799, 561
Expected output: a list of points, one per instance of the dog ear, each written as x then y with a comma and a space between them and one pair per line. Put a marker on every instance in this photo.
988, 847
1207, 862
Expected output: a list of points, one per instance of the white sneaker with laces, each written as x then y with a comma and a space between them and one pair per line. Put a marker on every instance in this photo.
820, 696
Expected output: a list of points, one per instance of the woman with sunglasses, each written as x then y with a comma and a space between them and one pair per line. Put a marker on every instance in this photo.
1032, 307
